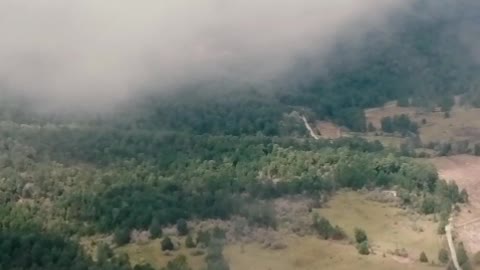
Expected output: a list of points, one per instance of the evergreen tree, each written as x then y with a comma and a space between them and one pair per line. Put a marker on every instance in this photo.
167, 244
182, 227
423, 257
155, 229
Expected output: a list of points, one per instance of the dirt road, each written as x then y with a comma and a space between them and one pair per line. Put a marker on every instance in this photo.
307, 125
451, 245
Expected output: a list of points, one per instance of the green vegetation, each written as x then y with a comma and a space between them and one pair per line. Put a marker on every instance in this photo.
423, 257
443, 256
363, 248
195, 154
167, 244
360, 236
399, 123
189, 242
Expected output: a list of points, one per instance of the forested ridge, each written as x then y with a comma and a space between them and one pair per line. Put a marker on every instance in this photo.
168, 159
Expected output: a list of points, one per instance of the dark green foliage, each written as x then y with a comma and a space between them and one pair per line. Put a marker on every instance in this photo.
182, 227
338, 233
423, 257
441, 227
462, 257
35, 251
446, 103
189, 243
476, 149
143, 267
322, 226
104, 252
214, 258
399, 123
204, 238
443, 256
155, 229
121, 237
363, 248
218, 233
371, 127
403, 102
179, 263
167, 243
428, 205
360, 235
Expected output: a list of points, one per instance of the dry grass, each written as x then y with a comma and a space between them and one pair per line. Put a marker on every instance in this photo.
152, 253
464, 170
463, 123
328, 130
310, 253
375, 115
388, 227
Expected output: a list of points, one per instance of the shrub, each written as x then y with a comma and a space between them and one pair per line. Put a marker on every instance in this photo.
322, 226
423, 257
189, 242
179, 263
121, 237
363, 248
338, 233
182, 227
155, 229
167, 244
218, 233
204, 237
104, 252
360, 235
443, 256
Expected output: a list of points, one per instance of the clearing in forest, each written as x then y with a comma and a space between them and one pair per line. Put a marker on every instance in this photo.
387, 226
465, 171
461, 124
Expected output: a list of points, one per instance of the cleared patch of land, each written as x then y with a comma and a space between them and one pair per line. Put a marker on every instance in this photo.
390, 109
310, 253
464, 170
151, 252
388, 227
462, 124
328, 130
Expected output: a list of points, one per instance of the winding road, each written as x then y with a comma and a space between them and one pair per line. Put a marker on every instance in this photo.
307, 125
451, 246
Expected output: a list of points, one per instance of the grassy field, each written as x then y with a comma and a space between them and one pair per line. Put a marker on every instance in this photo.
464, 170
152, 253
388, 228
463, 123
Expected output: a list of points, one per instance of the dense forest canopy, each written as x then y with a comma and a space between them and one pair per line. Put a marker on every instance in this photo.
221, 153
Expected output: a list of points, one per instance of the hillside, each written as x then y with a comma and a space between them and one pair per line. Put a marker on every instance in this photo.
350, 166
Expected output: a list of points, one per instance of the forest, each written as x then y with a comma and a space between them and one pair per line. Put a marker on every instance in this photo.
168, 160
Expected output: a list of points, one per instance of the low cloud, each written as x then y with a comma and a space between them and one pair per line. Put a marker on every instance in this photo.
92, 54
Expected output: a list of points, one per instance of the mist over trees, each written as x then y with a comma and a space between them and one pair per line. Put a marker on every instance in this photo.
163, 160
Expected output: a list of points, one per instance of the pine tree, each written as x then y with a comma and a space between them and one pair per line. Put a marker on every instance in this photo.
423, 257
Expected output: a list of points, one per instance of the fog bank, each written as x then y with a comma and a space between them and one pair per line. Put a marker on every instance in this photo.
92, 54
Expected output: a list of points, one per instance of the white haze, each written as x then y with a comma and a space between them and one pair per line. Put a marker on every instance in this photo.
95, 53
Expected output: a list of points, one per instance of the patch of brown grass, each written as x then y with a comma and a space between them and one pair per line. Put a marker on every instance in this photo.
464, 170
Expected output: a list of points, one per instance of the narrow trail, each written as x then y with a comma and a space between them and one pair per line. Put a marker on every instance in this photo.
307, 125
453, 252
